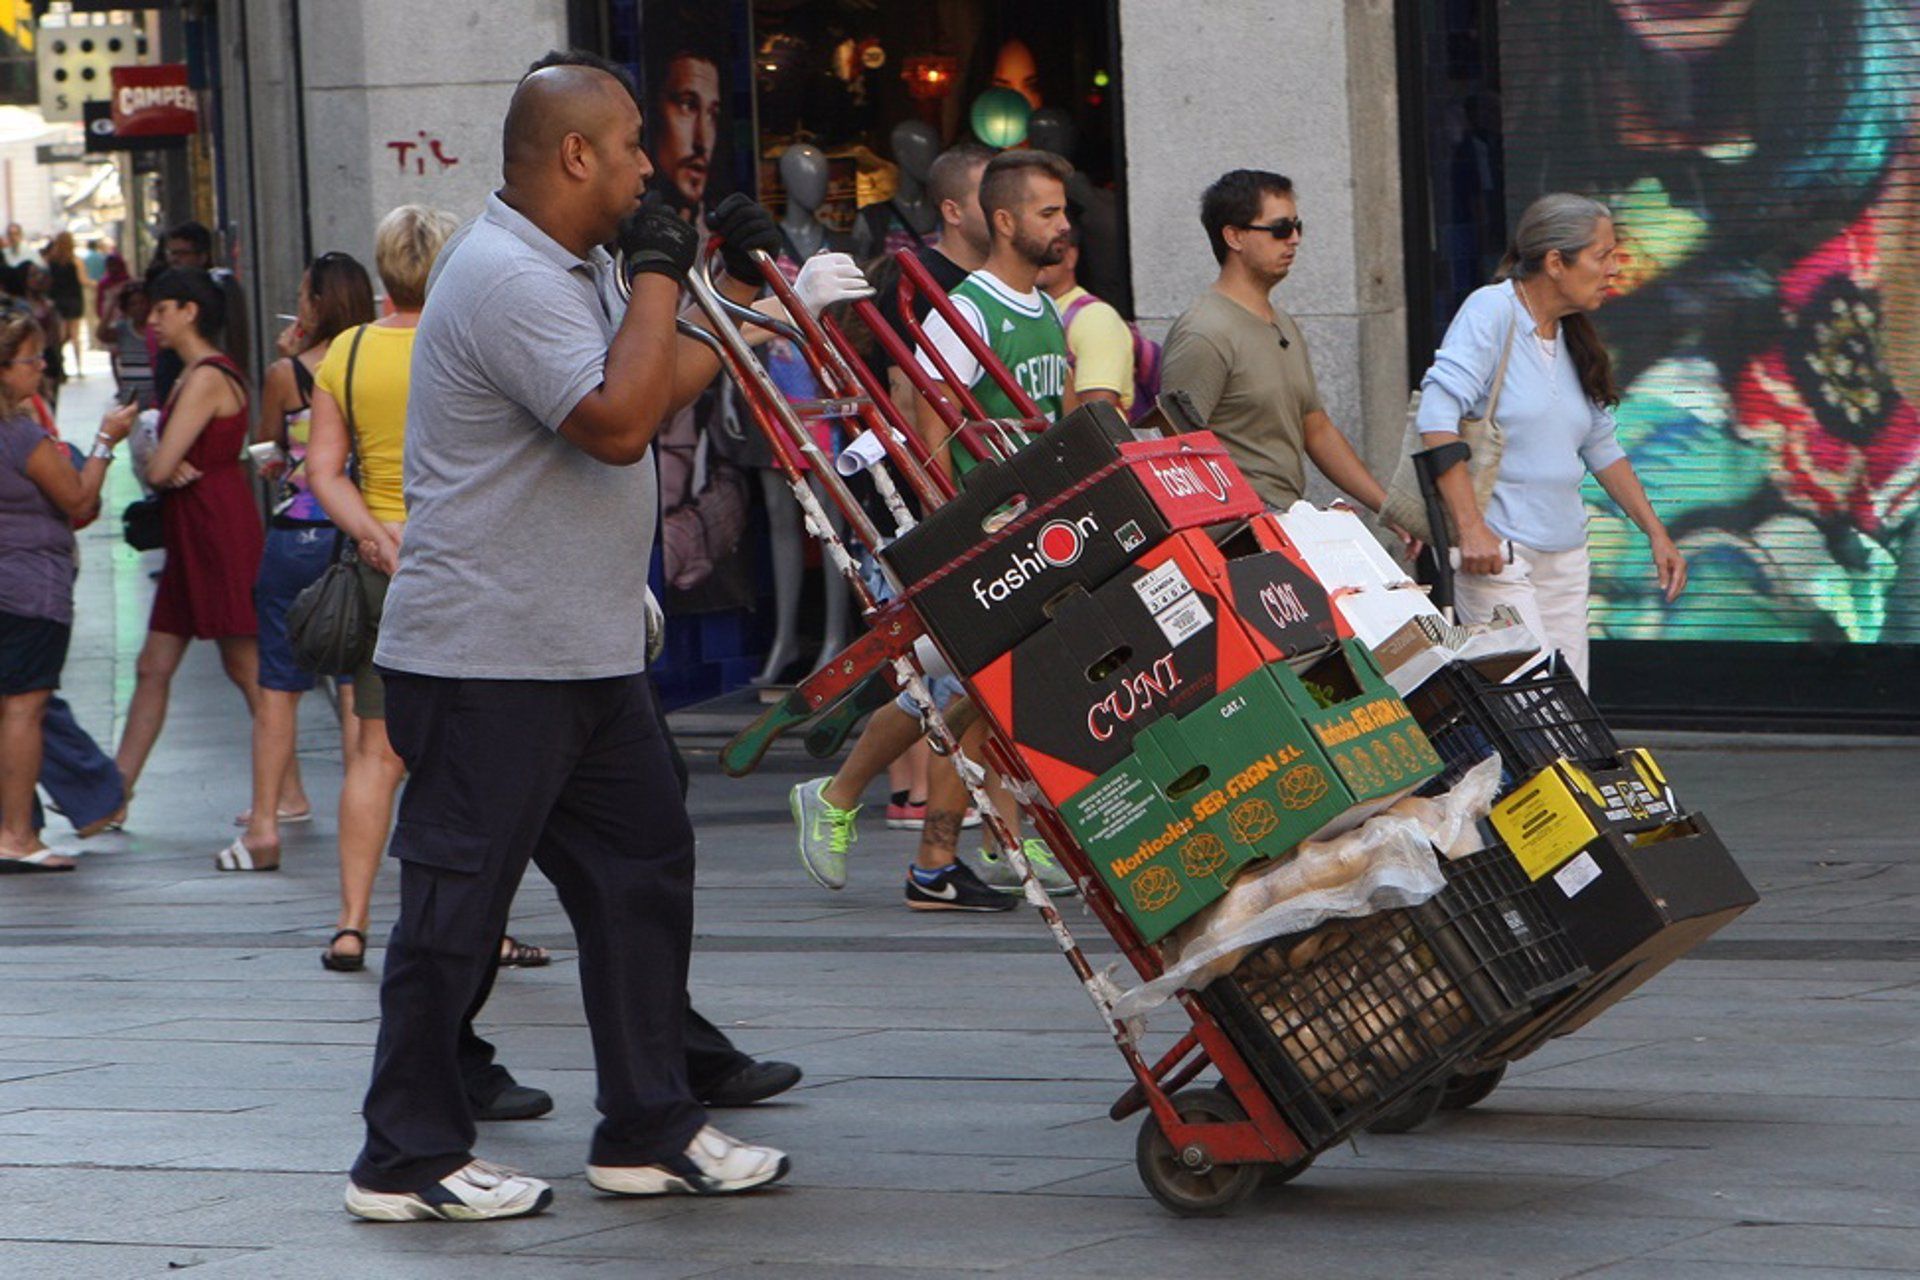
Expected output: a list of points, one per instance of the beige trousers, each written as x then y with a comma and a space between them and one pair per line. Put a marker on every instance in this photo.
1549, 588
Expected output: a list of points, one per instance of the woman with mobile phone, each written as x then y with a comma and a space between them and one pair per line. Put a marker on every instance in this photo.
211, 526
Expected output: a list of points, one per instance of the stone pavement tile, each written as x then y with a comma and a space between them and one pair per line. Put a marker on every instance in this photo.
1840, 1166
29, 1260
1883, 1249
1441, 1150
1768, 1113
1749, 1269
1808, 1071
222, 1208
1329, 1187
1361, 1241
1662, 1193
326, 1264
827, 1228
785, 1270
12, 1068
358, 1033
209, 1097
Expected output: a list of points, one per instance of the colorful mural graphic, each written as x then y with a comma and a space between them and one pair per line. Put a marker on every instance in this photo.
1763, 160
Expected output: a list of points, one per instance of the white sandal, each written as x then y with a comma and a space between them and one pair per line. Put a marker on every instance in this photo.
38, 860
237, 857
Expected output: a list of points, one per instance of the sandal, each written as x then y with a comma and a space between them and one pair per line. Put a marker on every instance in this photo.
518, 955
44, 860
237, 857
345, 963
285, 817
115, 821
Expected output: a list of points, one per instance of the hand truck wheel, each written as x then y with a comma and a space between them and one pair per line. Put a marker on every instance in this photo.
1464, 1091
1194, 1192
1411, 1112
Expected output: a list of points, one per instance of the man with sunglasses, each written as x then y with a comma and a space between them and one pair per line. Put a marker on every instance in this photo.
1244, 360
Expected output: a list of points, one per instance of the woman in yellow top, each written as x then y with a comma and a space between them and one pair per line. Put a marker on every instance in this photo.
367, 367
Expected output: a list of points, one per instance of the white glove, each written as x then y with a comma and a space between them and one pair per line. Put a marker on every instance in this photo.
827, 278
656, 628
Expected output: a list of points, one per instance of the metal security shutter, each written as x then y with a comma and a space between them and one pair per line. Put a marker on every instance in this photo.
1763, 160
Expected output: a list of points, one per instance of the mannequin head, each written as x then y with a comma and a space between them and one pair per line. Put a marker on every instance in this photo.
1052, 129
915, 145
803, 172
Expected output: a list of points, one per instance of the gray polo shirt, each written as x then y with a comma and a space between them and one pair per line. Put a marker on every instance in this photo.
523, 558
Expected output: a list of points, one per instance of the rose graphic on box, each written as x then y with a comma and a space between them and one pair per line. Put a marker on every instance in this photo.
1301, 787
1203, 855
1156, 889
1253, 821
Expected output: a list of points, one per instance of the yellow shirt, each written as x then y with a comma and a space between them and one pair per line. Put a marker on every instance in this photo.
380, 376
1102, 347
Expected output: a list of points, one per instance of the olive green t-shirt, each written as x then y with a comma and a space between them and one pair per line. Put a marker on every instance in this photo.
1252, 383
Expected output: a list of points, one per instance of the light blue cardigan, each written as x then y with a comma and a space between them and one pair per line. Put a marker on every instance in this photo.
1553, 434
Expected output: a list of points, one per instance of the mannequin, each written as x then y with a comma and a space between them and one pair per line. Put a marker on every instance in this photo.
803, 172
916, 145
1052, 129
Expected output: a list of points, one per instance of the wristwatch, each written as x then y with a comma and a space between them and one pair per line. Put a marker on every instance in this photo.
102, 448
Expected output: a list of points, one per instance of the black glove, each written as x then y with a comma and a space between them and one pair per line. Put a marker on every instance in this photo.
653, 238
744, 226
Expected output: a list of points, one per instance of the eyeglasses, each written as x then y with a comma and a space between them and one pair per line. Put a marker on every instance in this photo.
25, 360
1284, 229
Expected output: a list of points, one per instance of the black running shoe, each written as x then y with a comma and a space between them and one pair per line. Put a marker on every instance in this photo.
956, 889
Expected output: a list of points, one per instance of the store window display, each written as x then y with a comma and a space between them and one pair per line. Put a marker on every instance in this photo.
907, 218
804, 176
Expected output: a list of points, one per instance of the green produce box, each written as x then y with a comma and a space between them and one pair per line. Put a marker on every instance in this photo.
1376, 746
1244, 776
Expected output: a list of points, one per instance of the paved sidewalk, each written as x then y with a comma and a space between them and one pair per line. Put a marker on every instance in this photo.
179, 1077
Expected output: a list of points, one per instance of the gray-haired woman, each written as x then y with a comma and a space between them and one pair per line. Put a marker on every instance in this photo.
1529, 547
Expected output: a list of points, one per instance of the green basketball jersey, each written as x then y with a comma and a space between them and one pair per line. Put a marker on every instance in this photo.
1028, 338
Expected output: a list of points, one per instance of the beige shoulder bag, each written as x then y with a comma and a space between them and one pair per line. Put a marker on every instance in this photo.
1405, 506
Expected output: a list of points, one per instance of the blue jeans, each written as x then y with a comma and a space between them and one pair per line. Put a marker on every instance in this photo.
293, 560
78, 775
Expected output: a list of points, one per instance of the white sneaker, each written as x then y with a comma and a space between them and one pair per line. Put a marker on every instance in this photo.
474, 1192
713, 1164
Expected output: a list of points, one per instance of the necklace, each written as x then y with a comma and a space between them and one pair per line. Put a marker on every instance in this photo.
1550, 346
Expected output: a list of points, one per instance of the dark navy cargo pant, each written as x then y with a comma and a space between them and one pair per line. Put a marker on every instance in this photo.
579, 776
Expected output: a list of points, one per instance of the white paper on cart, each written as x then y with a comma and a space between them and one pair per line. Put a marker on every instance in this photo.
1388, 861
865, 450
1340, 549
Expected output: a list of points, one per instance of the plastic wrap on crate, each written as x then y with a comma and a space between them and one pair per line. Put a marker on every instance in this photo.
1386, 862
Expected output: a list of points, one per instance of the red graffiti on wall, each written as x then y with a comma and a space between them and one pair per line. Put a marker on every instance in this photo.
419, 151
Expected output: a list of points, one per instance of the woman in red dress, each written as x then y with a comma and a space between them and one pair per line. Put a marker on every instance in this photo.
212, 528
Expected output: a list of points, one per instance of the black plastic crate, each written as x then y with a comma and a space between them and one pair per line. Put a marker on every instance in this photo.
1529, 722
1342, 1022
1510, 935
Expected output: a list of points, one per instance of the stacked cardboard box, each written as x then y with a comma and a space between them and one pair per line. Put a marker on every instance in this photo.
1277, 758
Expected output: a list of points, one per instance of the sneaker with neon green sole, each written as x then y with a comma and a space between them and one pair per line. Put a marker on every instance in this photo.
826, 833
999, 874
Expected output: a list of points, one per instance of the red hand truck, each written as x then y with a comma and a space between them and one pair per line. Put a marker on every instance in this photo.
1201, 1150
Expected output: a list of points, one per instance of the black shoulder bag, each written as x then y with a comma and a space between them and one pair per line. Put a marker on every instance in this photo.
329, 627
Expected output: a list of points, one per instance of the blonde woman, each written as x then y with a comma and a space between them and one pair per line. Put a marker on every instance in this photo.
365, 373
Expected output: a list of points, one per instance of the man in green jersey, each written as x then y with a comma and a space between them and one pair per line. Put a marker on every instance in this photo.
1024, 197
